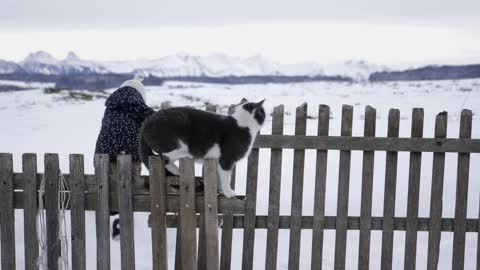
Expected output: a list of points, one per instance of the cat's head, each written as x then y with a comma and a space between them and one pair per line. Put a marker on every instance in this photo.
249, 113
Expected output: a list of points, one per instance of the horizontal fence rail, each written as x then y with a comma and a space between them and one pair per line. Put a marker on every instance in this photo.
189, 203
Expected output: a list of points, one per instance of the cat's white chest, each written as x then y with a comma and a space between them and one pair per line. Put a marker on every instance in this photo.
213, 152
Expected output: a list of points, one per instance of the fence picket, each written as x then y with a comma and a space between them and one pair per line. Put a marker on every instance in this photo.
343, 191
320, 184
227, 226
211, 214
51, 206
158, 205
250, 210
102, 215
461, 194
30, 204
390, 192
366, 195
413, 193
436, 200
125, 205
188, 233
7, 215
274, 194
77, 206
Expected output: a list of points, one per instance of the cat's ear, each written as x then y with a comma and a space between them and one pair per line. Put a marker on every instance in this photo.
259, 104
244, 100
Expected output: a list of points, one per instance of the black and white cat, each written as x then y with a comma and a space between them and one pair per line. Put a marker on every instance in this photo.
186, 132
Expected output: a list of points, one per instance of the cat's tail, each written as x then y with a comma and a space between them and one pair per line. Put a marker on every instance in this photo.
145, 151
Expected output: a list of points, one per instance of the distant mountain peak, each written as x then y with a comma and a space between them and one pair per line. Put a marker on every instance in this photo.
41, 57
72, 56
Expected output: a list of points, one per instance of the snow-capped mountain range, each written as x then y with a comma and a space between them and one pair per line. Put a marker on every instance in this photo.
186, 65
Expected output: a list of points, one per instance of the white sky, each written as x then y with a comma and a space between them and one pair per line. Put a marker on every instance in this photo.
385, 32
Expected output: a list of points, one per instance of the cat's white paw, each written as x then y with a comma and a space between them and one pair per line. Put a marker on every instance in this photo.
229, 193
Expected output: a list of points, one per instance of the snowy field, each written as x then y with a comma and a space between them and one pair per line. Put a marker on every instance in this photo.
33, 121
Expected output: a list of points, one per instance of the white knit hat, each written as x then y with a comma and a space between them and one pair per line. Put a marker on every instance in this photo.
136, 83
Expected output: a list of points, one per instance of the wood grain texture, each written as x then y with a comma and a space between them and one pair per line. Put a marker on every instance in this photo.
250, 211
187, 215
127, 239
51, 207
274, 193
7, 216
211, 215
102, 213
366, 193
297, 191
463, 167
29, 168
77, 214
343, 192
390, 192
320, 184
436, 198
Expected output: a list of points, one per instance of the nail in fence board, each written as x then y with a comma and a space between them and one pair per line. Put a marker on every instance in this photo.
211, 215
297, 191
127, 245
250, 210
436, 199
461, 194
51, 206
366, 195
77, 217
320, 184
7, 217
343, 191
188, 246
30, 200
274, 193
390, 192
413, 193
158, 211
102, 214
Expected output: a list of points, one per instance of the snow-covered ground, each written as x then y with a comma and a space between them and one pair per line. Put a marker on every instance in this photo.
36, 122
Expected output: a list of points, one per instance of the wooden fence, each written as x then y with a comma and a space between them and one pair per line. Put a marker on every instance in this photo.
186, 210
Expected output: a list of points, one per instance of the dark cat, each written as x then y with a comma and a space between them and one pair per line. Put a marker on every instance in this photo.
185, 132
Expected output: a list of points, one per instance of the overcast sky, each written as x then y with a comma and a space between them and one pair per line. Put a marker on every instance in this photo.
287, 31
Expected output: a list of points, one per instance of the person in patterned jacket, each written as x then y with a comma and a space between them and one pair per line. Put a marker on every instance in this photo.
125, 111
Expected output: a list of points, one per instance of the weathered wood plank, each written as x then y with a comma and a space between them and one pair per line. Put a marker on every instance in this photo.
187, 215
29, 168
77, 217
366, 195
102, 213
320, 184
7, 216
390, 192
436, 199
413, 193
127, 240
368, 143
51, 206
178, 243
158, 207
250, 211
211, 218
274, 193
343, 192
461, 194
227, 226
297, 191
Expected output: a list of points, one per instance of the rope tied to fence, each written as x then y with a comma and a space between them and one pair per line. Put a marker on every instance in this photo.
63, 201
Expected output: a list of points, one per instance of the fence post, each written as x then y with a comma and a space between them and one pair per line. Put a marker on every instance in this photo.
211, 214
51, 206
77, 206
188, 246
158, 205
125, 205
390, 191
7, 215
413, 193
367, 188
30, 201
274, 194
436, 200
343, 191
320, 183
102, 213
462, 194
